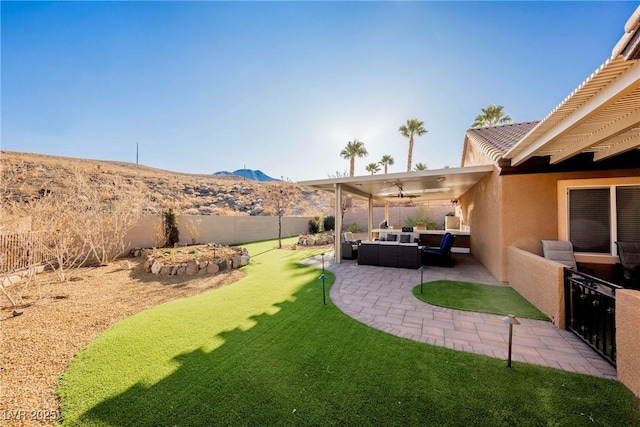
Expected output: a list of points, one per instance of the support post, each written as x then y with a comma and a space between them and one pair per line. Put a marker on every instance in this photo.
370, 223
338, 224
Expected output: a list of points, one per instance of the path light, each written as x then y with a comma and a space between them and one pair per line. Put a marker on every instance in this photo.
510, 320
322, 255
323, 277
421, 270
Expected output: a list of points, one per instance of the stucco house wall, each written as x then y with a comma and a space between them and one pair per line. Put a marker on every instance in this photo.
521, 210
481, 209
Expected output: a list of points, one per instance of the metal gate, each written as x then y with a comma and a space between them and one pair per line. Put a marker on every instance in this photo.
590, 307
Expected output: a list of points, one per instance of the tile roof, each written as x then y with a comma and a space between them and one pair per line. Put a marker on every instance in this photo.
497, 140
629, 44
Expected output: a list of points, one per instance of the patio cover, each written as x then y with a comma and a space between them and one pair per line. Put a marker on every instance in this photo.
439, 184
601, 116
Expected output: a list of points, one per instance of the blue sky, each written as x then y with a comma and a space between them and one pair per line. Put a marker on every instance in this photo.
283, 86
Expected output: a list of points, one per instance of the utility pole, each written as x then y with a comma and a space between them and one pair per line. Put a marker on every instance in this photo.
136, 152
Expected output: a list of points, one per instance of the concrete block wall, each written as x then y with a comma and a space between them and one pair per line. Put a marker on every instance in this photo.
239, 229
223, 230
397, 215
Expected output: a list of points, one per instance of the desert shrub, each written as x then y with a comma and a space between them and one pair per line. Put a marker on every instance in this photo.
420, 218
315, 225
206, 210
193, 228
171, 233
329, 223
354, 227
85, 220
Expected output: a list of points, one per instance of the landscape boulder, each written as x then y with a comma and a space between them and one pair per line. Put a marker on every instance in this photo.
156, 267
192, 268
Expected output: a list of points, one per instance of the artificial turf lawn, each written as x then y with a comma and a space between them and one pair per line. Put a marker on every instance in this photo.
477, 297
266, 351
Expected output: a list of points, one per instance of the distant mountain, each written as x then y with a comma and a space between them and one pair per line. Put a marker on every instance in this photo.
256, 175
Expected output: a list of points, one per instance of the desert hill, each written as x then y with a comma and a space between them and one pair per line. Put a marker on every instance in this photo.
186, 193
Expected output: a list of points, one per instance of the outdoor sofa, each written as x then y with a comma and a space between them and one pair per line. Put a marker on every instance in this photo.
390, 254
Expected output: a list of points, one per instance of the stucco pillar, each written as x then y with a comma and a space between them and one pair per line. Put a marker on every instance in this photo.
628, 338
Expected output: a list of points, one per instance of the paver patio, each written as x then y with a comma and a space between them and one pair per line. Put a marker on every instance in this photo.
381, 298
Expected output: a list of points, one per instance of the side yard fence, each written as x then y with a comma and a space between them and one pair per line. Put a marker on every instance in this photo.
20, 251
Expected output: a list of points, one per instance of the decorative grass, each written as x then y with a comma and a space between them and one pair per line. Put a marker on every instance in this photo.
266, 351
476, 297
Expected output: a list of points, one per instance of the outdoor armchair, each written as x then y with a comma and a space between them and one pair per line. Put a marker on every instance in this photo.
629, 253
562, 251
439, 255
349, 246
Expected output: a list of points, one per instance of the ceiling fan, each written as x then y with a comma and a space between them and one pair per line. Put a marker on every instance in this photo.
402, 194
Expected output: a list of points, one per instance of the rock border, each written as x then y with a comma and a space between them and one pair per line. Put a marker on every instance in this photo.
154, 265
315, 239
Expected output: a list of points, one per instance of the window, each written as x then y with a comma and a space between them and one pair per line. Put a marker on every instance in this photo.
628, 213
600, 216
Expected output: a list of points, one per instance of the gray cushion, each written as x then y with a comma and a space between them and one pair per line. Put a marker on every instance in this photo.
559, 251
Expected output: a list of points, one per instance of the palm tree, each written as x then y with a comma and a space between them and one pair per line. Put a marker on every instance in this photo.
353, 149
491, 116
414, 127
338, 174
421, 167
386, 161
373, 168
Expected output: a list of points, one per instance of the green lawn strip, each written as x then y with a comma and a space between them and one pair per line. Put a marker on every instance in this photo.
266, 351
476, 297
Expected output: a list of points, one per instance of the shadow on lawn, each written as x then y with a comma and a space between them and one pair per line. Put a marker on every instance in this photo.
226, 385
304, 363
